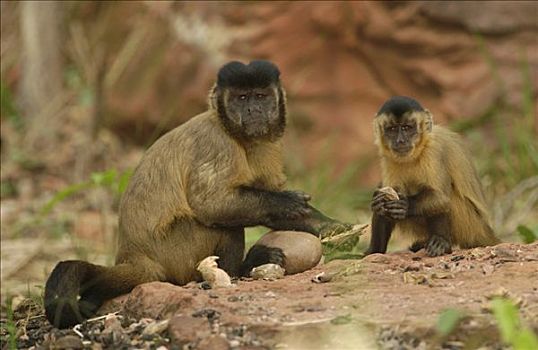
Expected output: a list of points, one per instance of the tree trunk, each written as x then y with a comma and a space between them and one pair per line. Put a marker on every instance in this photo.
42, 69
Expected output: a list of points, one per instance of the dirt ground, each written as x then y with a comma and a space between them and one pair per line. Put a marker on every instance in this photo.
390, 301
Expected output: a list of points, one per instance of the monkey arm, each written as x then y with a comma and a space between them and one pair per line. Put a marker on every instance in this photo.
314, 222
247, 206
381, 231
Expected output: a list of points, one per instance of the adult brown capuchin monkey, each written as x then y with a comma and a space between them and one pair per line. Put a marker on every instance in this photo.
192, 195
439, 199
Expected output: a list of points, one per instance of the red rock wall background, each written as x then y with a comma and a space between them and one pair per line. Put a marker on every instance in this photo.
339, 61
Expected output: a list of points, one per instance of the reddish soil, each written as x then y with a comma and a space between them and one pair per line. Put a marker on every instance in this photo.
389, 301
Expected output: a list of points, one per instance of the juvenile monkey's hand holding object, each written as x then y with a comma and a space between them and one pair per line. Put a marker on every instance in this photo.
389, 203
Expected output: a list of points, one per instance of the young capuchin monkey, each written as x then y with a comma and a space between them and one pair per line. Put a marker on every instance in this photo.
439, 199
192, 195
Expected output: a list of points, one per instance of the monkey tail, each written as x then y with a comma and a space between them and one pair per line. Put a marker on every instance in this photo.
76, 289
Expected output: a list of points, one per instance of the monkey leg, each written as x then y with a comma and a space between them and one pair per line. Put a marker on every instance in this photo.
440, 241
76, 289
230, 250
381, 231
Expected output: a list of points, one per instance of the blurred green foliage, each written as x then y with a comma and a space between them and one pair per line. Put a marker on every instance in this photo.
110, 179
514, 130
510, 327
9, 340
8, 108
447, 321
527, 235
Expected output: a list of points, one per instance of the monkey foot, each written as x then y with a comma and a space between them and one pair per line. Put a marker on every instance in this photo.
416, 246
437, 246
260, 255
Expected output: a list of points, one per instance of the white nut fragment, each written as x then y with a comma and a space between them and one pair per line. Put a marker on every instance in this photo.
211, 273
389, 193
322, 277
267, 272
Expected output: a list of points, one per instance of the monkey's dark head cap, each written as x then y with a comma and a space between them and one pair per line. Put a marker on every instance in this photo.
398, 105
255, 74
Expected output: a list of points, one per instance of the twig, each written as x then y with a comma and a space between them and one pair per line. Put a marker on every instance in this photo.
102, 317
37, 316
355, 230
301, 323
79, 333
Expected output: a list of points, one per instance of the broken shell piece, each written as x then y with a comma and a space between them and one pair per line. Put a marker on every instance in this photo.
216, 277
322, 278
267, 272
389, 193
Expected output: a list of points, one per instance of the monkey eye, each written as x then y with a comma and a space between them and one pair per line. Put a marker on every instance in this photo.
260, 96
242, 97
408, 127
392, 128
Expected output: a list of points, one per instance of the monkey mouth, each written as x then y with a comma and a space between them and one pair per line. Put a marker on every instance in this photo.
257, 131
402, 150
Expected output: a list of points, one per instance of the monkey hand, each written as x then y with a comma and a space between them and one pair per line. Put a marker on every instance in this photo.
392, 209
295, 205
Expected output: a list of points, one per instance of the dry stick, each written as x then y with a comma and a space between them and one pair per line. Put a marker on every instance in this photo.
356, 229
76, 328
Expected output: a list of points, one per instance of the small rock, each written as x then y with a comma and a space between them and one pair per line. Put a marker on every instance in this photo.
377, 258
184, 329
214, 342
415, 266
267, 272
270, 294
210, 314
68, 342
156, 327
409, 277
442, 275
112, 322
488, 269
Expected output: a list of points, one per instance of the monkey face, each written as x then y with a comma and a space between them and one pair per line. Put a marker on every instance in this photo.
250, 101
252, 113
400, 136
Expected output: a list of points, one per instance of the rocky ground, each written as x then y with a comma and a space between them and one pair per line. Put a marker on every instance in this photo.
390, 301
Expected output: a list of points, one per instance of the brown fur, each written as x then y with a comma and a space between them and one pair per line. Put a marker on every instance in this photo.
178, 185
191, 196
441, 162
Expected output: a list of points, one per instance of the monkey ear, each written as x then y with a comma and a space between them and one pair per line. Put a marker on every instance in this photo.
212, 100
428, 120
378, 130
